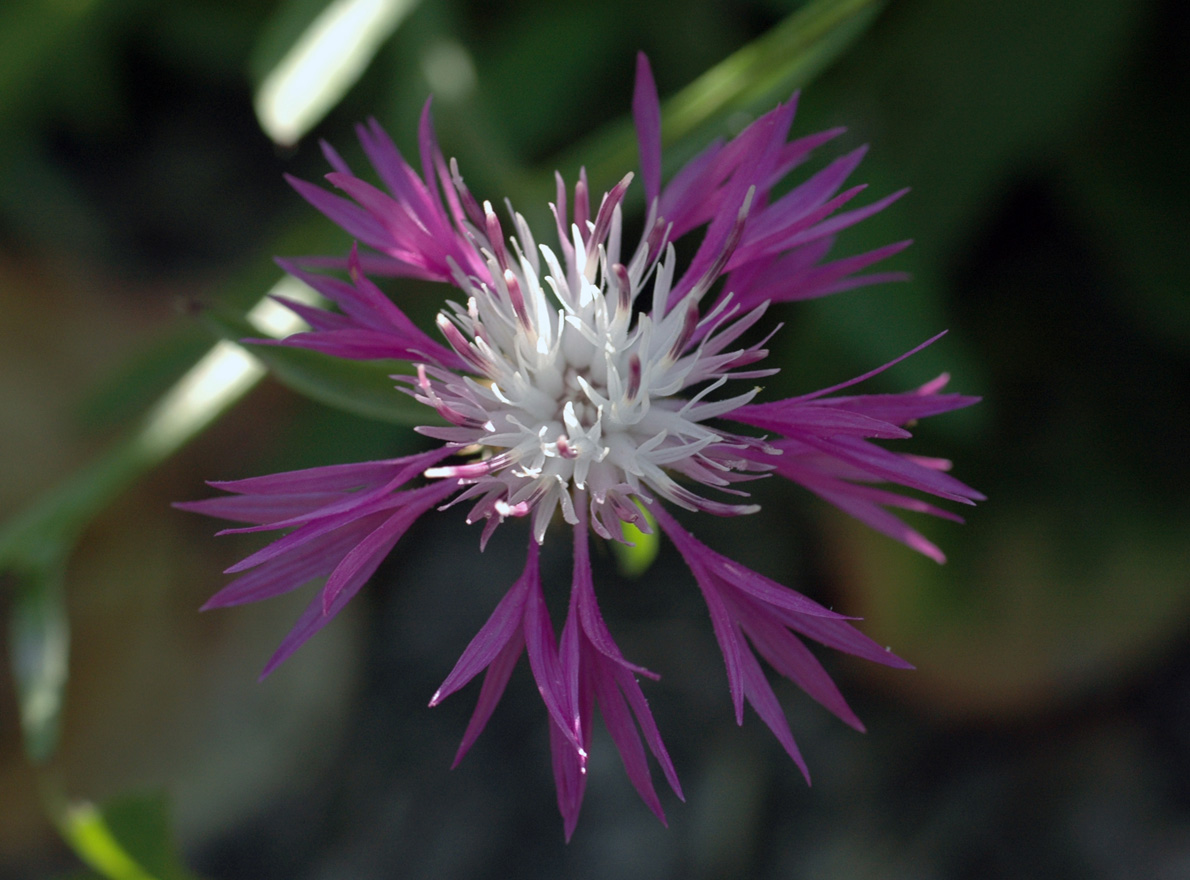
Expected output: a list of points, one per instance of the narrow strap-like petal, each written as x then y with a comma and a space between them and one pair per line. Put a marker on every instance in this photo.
646, 112
494, 682
764, 701
499, 629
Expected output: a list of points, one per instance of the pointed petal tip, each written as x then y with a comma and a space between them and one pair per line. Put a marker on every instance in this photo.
643, 67
895, 662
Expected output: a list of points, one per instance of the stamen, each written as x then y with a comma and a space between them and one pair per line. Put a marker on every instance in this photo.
582, 204
603, 220
517, 299
634, 376
689, 324
623, 286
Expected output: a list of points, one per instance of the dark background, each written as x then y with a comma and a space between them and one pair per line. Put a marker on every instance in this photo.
1045, 731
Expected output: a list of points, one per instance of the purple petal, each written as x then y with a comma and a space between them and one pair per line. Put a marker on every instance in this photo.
335, 477
258, 508
884, 465
868, 375
300, 565
623, 732
795, 417
901, 408
726, 632
542, 648
644, 717
887, 524
646, 111
764, 701
316, 616
592, 622
493, 636
841, 636
359, 565
714, 566
494, 682
786, 653
570, 778
351, 218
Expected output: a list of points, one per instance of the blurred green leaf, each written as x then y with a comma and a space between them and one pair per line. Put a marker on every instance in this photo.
141, 379
956, 97
30, 31
128, 839
40, 640
364, 388
323, 62
637, 556
760, 74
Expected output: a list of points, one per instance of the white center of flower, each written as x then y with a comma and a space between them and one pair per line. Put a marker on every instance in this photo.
575, 397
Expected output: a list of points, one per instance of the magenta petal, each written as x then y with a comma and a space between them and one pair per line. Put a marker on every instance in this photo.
366, 556
884, 465
841, 636
258, 509
570, 778
335, 477
764, 701
644, 717
822, 280
786, 653
310, 531
646, 111
590, 377
355, 221
494, 634
316, 616
712, 565
570, 667
494, 682
868, 375
886, 523
300, 565
624, 733
352, 504
726, 632
542, 648
795, 417
592, 622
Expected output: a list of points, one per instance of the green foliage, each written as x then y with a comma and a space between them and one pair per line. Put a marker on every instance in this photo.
638, 555
40, 647
127, 839
363, 388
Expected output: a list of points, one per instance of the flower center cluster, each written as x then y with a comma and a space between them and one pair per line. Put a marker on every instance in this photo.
573, 398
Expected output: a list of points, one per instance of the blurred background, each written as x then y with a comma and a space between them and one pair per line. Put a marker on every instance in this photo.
1046, 730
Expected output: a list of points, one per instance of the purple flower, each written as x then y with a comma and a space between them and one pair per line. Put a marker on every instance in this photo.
586, 380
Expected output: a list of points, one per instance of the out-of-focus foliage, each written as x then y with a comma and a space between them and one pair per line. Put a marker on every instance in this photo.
129, 839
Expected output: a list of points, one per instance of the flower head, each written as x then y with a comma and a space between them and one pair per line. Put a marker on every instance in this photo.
589, 381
